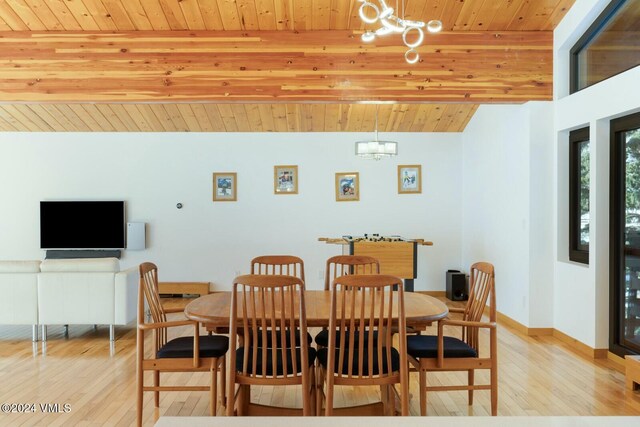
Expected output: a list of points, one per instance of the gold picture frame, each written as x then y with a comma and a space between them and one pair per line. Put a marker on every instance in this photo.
225, 186
285, 179
347, 187
409, 179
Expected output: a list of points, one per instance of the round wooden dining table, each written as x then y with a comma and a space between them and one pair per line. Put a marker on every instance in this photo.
213, 310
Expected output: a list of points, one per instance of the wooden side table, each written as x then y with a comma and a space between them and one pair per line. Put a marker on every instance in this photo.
198, 288
632, 374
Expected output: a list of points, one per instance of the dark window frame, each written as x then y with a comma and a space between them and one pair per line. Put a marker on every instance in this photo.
577, 252
591, 32
616, 221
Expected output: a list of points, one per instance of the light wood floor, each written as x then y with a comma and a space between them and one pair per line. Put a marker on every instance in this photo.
538, 376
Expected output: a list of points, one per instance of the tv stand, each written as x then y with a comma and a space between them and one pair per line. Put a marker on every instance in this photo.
70, 254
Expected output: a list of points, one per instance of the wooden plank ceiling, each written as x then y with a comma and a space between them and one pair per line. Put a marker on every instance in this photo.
235, 117
266, 15
263, 65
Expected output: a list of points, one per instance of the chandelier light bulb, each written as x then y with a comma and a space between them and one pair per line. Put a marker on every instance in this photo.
418, 41
408, 23
391, 26
368, 36
411, 56
383, 31
363, 14
386, 12
434, 26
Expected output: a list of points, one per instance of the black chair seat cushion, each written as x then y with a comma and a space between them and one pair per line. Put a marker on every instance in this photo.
322, 339
287, 338
323, 353
279, 358
210, 346
427, 346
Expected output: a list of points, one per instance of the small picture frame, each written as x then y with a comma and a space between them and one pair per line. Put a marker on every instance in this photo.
225, 187
347, 186
409, 179
285, 179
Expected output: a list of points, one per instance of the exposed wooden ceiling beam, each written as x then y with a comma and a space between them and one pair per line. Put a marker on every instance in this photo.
272, 66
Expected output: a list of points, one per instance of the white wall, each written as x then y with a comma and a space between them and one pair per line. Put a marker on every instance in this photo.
208, 241
507, 187
581, 292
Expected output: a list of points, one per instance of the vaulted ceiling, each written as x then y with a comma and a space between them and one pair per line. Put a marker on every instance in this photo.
264, 65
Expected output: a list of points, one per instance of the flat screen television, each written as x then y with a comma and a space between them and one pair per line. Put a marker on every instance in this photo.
82, 225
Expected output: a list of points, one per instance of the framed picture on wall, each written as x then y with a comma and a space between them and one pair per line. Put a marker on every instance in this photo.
225, 187
347, 186
409, 179
285, 179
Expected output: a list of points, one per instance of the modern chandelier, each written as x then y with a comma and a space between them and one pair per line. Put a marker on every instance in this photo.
377, 12
376, 149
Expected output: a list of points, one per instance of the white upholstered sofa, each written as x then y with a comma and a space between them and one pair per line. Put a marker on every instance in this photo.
68, 292
19, 293
86, 291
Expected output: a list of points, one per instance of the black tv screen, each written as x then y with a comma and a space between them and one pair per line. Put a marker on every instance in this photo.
82, 225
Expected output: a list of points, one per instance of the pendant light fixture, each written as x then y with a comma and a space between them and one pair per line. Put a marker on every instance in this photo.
376, 149
378, 12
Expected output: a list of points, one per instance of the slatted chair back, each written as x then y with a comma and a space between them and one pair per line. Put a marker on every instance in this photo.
481, 291
287, 265
267, 309
342, 265
362, 305
149, 288
269, 305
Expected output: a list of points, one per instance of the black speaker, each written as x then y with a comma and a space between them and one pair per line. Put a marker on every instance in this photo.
456, 286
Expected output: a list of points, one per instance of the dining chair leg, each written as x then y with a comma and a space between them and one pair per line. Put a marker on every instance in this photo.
223, 381
213, 392
231, 398
471, 379
244, 398
319, 389
392, 400
156, 393
328, 404
494, 391
384, 397
306, 401
423, 392
311, 392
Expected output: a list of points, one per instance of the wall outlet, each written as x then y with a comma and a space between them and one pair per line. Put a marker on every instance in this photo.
321, 274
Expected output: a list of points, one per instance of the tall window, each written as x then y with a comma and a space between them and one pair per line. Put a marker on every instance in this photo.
609, 47
579, 195
625, 236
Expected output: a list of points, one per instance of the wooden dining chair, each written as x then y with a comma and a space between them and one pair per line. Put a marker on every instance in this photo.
446, 353
177, 354
269, 308
363, 305
287, 265
343, 265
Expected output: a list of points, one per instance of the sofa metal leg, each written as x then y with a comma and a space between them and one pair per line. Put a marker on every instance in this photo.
112, 333
44, 333
66, 331
34, 333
